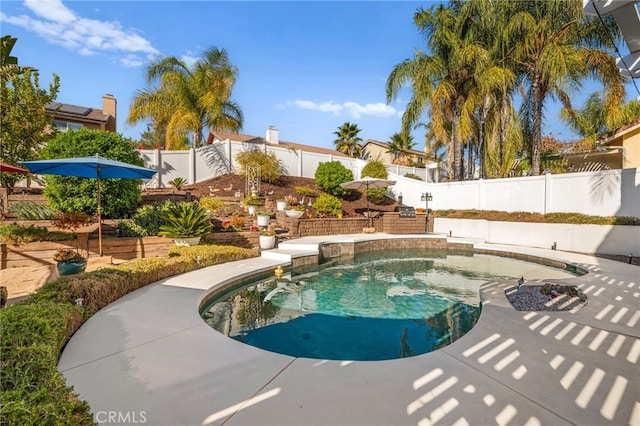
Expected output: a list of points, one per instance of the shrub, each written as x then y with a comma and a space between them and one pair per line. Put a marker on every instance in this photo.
71, 220
120, 197
412, 176
178, 183
330, 175
271, 169
327, 204
375, 169
35, 330
185, 220
30, 210
146, 221
67, 255
20, 234
305, 191
211, 203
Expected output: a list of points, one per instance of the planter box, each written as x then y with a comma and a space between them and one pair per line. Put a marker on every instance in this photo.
605, 239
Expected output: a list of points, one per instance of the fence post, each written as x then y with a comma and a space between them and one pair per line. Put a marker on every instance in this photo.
192, 165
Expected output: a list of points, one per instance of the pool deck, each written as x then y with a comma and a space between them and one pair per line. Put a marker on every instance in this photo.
149, 358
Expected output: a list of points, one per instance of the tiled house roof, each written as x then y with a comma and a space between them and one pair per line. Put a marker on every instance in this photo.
221, 135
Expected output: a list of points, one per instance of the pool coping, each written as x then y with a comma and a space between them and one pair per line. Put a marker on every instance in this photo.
149, 356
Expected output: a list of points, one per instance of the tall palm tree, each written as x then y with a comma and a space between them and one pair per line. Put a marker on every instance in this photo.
443, 81
348, 141
399, 145
555, 47
190, 100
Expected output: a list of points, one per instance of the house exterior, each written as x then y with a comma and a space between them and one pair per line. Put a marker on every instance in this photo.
67, 116
374, 149
627, 139
272, 138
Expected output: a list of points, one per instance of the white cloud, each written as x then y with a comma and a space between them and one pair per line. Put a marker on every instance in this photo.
189, 60
57, 24
354, 109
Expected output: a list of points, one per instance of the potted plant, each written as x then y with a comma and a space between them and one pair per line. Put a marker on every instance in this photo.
263, 218
186, 223
267, 240
69, 262
252, 202
295, 211
281, 204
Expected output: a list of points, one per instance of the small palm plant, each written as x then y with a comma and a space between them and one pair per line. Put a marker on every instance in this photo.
178, 183
185, 220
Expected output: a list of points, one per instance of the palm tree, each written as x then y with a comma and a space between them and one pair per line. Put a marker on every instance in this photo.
348, 141
443, 81
189, 100
399, 145
555, 47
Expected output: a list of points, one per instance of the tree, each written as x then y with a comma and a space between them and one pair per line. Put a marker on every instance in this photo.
399, 145
189, 100
555, 47
26, 125
443, 81
348, 141
120, 197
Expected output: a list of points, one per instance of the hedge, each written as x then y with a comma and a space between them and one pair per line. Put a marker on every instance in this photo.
35, 330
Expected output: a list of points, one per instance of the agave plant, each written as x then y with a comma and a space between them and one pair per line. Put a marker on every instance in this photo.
178, 183
185, 220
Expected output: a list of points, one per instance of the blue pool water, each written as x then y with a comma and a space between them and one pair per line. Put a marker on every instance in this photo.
384, 305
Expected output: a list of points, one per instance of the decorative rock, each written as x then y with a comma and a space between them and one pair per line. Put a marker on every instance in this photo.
541, 298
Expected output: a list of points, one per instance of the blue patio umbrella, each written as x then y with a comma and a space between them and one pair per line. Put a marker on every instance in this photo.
96, 167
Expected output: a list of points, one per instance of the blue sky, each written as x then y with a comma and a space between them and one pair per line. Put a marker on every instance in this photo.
304, 67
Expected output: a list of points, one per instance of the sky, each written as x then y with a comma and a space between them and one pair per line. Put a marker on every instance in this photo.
304, 67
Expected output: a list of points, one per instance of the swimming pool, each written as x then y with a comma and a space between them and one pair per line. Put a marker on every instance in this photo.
382, 305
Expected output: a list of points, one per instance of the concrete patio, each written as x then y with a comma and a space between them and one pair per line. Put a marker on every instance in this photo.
149, 358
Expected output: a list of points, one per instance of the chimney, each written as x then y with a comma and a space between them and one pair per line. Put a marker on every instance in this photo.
109, 107
272, 135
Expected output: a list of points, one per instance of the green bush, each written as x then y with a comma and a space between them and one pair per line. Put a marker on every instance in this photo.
30, 210
375, 169
271, 169
185, 220
327, 204
35, 330
211, 203
178, 183
412, 176
330, 175
146, 221
20, 234
120, 197
528, 217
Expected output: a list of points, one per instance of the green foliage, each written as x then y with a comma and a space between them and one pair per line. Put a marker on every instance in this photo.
120, 197
187, 99
25, 122
211, 203
251, 200
327, 204
330, 175
185, 220
573, 218
30, 210
67, 255
375, 169
178, 183
412, 176
305, 191
35, 330
20, 234
33, 390
271, 169
347, 140
146, 221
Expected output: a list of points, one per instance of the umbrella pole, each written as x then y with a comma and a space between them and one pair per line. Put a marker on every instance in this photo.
99, 217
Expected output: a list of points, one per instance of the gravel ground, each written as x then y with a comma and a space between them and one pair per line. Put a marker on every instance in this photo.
536, 298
